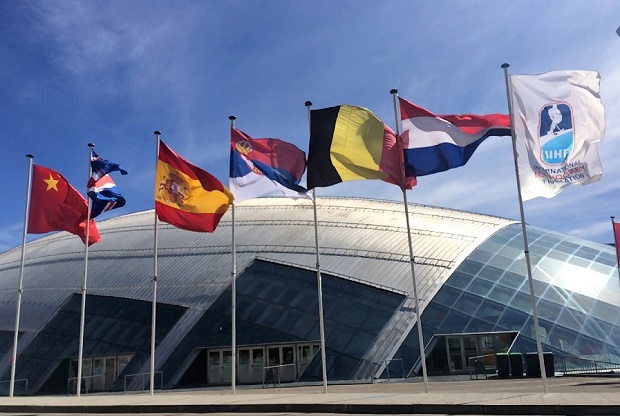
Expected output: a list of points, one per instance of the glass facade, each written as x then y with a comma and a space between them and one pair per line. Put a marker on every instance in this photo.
278, 304
573, 284
113, 326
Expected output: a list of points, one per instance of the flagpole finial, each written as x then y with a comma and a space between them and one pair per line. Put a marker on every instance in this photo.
505, 65
308, 103
232, 117
32, 157
612, 217
393, 91
157, 132
91, 145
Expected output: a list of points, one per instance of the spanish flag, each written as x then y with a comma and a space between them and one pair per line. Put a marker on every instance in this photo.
350, 143
187, 196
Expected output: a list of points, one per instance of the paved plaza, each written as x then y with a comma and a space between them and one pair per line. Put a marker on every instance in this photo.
566, 396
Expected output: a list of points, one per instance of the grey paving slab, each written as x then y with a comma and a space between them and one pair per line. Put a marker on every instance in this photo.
566, 396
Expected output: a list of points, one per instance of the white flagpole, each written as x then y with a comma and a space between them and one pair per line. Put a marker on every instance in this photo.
21, 276
394, 93
233, 312
318, 276
154, 311
526, 250
83, 309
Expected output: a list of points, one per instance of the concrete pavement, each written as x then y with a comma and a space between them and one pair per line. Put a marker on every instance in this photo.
567, 396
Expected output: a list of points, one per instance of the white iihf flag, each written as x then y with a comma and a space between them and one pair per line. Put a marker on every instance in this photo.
558, 120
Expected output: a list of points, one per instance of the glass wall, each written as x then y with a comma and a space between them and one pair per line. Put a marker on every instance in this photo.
278, 304
113, 326
575, 283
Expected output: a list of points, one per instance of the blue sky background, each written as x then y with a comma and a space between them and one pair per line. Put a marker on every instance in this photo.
112, 72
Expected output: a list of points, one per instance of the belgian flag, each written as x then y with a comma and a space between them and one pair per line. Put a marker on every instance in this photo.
350, 143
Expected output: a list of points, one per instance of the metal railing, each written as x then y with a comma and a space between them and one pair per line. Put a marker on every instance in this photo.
567, 365
17, 383
272, 374
145, 379
481, 365
87, 382
375, 366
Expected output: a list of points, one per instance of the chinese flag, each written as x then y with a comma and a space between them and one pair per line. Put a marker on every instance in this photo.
55, 205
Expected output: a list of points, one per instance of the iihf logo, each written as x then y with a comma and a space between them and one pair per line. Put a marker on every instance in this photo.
556, 136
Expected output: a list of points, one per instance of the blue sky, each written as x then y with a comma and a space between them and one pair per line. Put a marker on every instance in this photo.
112, 72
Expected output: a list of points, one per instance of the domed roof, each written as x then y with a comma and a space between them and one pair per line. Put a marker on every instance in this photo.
359, 239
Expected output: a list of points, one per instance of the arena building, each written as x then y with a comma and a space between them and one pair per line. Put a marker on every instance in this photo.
470, 274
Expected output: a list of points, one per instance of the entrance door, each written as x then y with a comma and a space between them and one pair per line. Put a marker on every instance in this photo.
470, 349
455, 354
251, 364
214, 370
460, 349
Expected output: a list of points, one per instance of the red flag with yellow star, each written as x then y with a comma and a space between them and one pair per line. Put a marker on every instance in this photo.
55, 205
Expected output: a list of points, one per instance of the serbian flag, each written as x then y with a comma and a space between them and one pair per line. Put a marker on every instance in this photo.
435, 143
55, 205
187, 196
105, 196
260, 167
100, 167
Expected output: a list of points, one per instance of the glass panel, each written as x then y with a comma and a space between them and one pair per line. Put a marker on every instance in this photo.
606, 259
214, 358
257, 357
468, 303
558, 255
273, 355
227, 358
548, 310
501, 294
557, 295
459, 280
306, 353
446, 295
434, 315
567, 247
513, 319
490, 311
110, 372
470, 266
587, 252
244, 357
87, 367
513, 280
478, 325
455, 322
480, 255
491, 273
454, 353
288, 355
501, 262
584, 302
470, 348
572, 319
579, 261
123, 360
480, 287
511, 252
605, 311
522, 301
